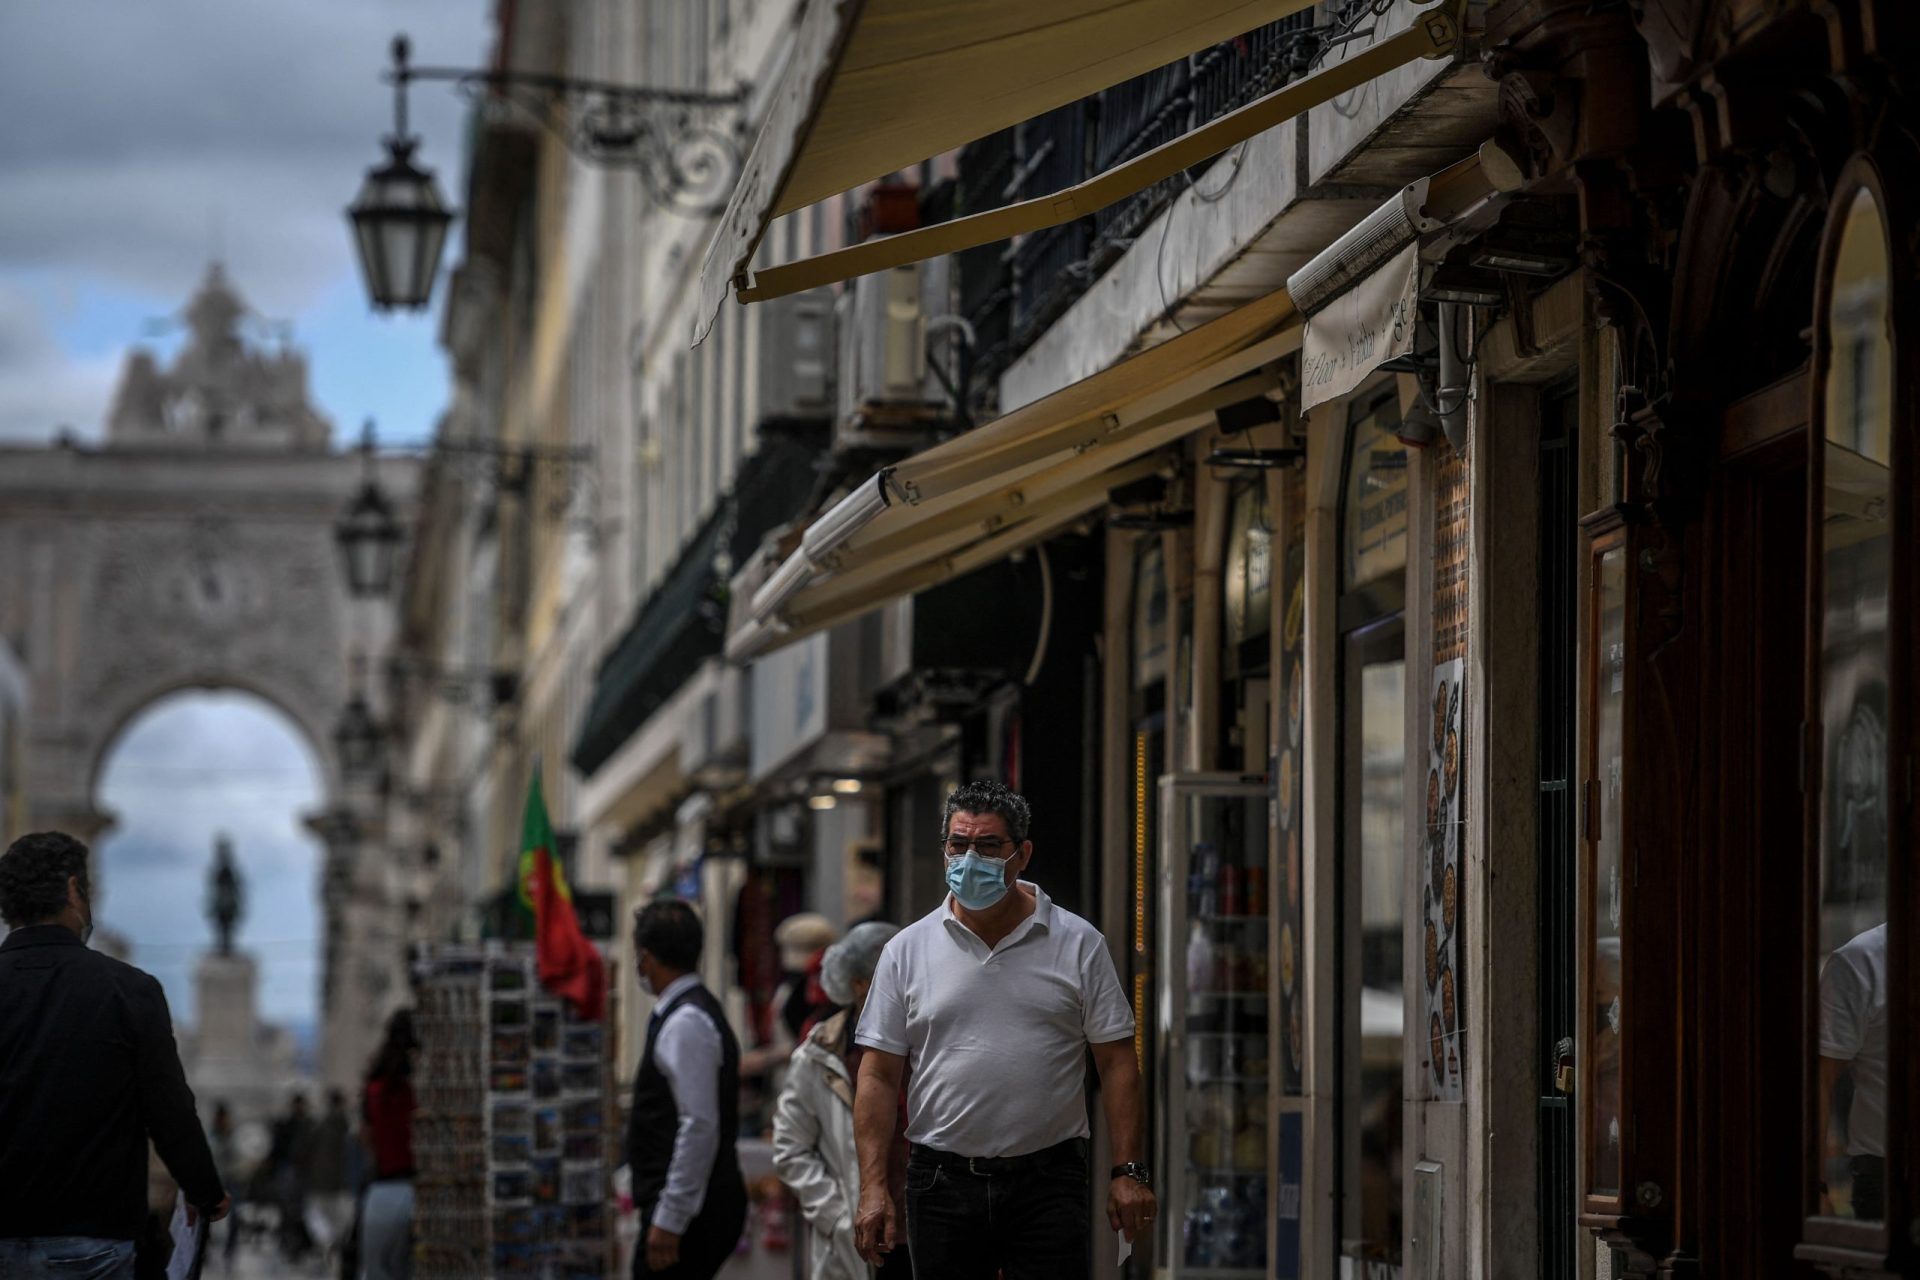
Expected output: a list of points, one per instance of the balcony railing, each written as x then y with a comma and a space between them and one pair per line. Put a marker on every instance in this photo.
1052, 268
985, 181
1049, 266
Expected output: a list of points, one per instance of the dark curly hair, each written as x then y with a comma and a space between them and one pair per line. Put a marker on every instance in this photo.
990, 797
33, 876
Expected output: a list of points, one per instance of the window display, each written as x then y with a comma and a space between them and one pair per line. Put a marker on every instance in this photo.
1212, 1063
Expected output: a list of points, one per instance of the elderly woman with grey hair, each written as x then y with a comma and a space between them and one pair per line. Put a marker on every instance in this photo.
813, 1147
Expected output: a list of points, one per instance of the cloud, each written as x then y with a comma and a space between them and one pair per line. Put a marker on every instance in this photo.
145, 139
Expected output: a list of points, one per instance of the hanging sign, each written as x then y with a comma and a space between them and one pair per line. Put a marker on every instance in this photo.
1360, 330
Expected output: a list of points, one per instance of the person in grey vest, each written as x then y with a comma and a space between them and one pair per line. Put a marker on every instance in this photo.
813, 1147
685, 1121
994, 1001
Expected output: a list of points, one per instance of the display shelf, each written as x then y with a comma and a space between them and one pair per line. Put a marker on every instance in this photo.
513, 1111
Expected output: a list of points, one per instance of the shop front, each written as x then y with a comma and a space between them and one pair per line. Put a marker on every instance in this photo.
1741, 1078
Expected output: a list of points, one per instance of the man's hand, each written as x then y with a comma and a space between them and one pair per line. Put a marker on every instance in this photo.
1130, 1208
663, 1248
216, 1214
876, 1227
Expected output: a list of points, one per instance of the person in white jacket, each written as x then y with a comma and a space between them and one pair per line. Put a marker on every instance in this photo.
813, 1148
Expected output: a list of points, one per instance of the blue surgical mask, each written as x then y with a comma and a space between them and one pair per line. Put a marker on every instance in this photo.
977, 881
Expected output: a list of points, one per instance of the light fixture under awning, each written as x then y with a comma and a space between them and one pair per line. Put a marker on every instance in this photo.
1011, 483
877, 85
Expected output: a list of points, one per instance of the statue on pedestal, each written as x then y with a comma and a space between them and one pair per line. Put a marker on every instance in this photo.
226, 895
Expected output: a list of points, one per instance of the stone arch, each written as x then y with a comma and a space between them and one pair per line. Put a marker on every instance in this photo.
309, 722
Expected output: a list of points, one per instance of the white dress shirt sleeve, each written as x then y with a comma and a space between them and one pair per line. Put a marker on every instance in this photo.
883, 1021
689, 1055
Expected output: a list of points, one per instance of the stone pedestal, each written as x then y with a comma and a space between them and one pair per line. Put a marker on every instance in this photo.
231, 1056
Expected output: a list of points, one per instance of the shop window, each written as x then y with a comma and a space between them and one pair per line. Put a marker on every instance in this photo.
1211, 1070
1852, 669
1149, 614
1375, 541
1287, 783
1605, 1012
1249, 569
1373, 1000
1246, 627
1372, 847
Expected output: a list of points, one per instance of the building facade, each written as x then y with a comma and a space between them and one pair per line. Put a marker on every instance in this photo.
1390, 548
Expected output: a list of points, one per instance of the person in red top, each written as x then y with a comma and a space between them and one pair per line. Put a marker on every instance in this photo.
386, 1215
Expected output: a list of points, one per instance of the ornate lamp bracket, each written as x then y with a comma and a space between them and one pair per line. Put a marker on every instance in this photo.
686, 144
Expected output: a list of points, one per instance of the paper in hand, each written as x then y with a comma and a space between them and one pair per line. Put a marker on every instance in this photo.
1126, 1247
188, 1243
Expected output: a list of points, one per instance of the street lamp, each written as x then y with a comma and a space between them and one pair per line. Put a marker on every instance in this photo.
368, 534
357, 739
399, 219
683, 143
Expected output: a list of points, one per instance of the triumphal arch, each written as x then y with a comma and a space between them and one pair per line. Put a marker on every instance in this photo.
193, 548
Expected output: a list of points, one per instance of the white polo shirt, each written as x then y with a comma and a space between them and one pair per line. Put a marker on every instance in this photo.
996, 1039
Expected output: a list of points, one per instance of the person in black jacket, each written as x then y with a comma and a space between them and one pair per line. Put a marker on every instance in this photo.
89, 1072
685, 1121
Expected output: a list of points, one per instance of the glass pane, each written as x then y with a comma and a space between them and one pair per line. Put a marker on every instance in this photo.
1223, 1223
1604, 1028
1288, 809
1149, 615
1373, 1000
1856, 554
1376, 498
1248, 574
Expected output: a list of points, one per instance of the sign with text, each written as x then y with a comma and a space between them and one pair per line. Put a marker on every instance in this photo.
1360, 330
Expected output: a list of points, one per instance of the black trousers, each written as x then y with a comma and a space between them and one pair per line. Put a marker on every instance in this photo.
710, 1237
1023, 1218
1869, 1187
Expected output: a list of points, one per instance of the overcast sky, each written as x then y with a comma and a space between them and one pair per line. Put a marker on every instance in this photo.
143, 139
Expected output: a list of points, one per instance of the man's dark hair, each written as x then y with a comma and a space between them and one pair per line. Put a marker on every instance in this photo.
670, 929
990, 797
33, 876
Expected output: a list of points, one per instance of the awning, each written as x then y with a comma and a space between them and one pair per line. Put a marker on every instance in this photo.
874, 86
1011, 483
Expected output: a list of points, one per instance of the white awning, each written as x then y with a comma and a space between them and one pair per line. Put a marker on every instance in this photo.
874, 86
1018, 480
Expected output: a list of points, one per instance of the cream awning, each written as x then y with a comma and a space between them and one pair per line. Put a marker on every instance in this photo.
1018, 480
874, 86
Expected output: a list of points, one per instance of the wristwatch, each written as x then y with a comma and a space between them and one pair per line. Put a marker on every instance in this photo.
1135, 1170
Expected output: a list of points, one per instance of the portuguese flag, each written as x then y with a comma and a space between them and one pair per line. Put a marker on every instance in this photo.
570, 966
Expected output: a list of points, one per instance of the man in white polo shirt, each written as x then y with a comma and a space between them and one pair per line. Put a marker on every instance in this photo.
994, 1000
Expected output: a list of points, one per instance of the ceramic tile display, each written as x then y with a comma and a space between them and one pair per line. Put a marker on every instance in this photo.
513, 1128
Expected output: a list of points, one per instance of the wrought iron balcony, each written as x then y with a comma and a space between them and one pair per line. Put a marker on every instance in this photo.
1047, 271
